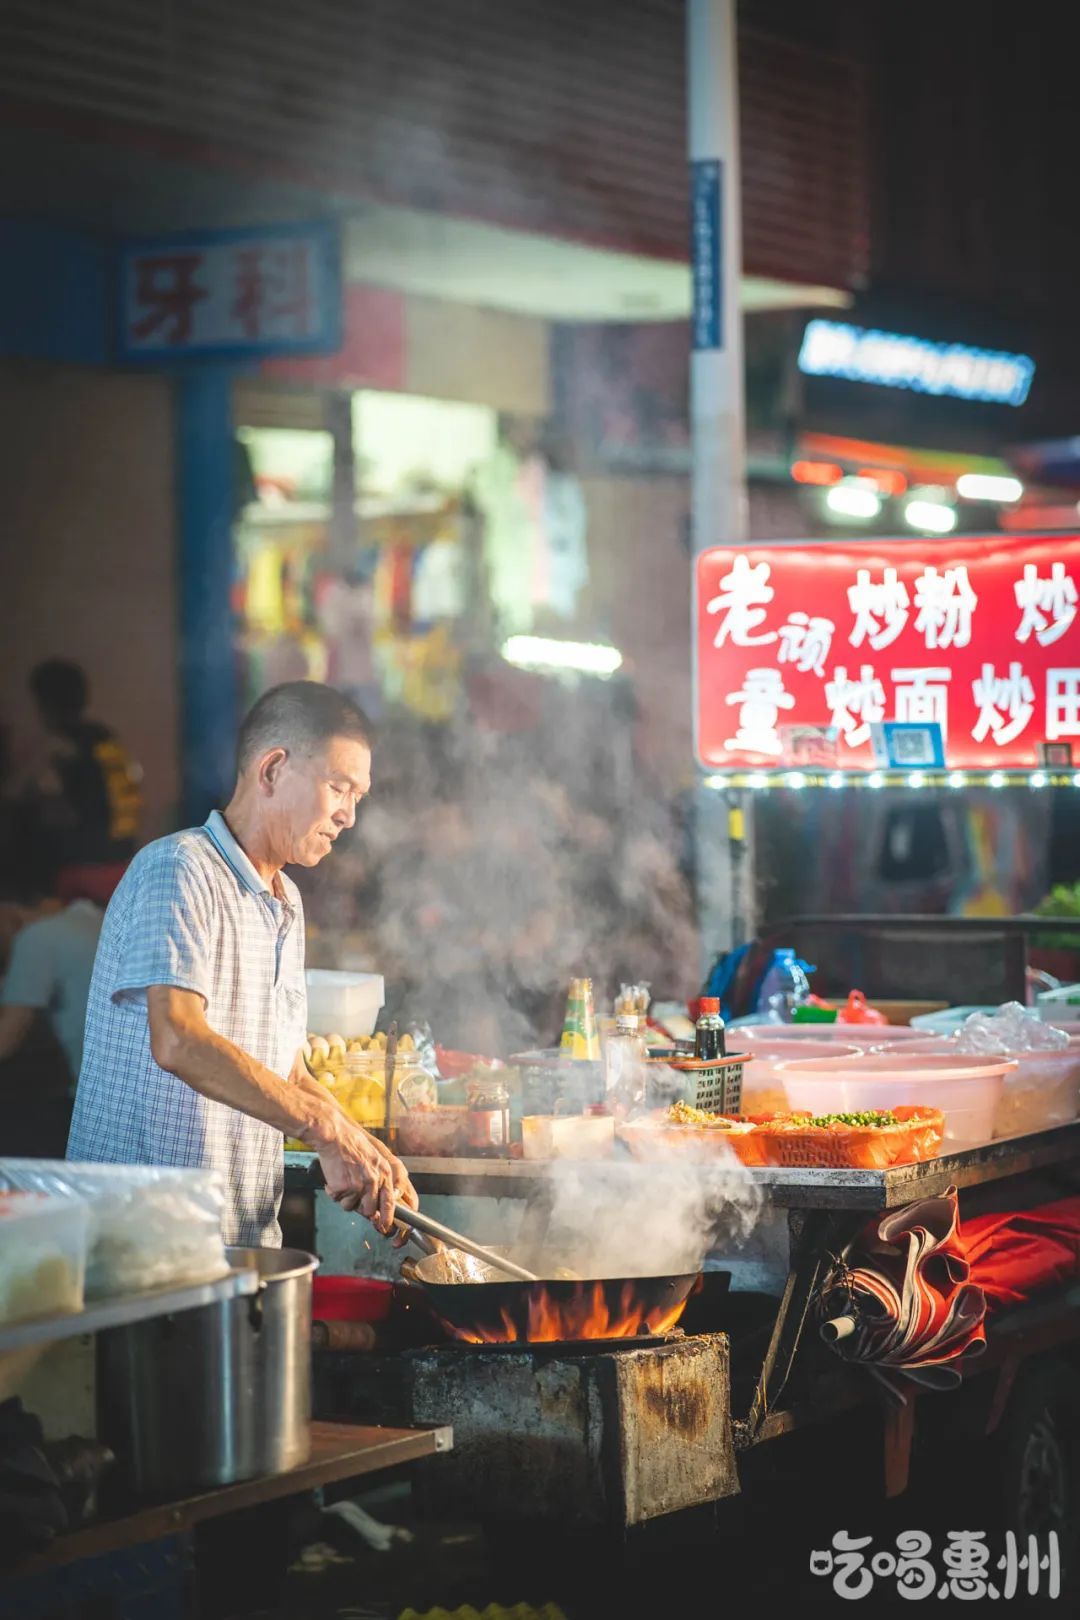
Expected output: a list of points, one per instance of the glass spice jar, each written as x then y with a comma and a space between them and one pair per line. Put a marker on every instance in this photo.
488, 1125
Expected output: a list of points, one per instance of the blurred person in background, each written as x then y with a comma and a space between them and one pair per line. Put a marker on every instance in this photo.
80, 793
46, 958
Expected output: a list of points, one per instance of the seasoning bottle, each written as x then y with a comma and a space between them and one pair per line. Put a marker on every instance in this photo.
709, 1043
624, 1064
580, 1036
488, 1132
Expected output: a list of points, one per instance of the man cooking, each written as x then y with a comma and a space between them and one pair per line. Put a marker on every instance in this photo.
198, 1006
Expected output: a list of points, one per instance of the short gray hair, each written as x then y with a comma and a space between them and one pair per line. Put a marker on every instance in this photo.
298, 716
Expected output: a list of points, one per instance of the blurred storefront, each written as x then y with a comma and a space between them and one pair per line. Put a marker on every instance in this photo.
892, 418
408, 497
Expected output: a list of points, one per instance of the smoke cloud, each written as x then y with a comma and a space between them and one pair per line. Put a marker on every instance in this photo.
660, 1222
489, 868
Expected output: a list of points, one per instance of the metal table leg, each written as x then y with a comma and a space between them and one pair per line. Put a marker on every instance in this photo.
815, 1236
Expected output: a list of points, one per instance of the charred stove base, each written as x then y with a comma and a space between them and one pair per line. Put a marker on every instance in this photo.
577, 1434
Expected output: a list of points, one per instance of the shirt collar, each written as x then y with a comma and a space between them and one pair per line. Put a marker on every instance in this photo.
217, 829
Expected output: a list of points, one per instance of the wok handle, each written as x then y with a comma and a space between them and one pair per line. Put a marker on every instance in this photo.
455, 1240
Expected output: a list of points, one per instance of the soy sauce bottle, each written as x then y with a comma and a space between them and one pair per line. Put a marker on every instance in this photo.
709, 1041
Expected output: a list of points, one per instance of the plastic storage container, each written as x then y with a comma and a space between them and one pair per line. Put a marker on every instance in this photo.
967, 1089
361, 1090
946, 1022
569, 1136
1042, 1091
762, 1088
342, 1003
148, 1226
440, 1132
863, 1036
42, 1255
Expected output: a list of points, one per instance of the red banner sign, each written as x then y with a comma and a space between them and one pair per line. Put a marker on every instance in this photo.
978, 635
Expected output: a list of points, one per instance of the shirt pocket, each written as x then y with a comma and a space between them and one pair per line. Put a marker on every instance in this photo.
293, 1030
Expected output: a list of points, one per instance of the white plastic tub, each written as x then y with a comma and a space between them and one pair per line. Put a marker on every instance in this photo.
1042, 1091
342, 1003
967, 1089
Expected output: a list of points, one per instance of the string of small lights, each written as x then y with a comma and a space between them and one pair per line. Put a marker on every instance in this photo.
796, 780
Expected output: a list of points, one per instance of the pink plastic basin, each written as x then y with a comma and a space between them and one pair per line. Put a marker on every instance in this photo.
967, 1090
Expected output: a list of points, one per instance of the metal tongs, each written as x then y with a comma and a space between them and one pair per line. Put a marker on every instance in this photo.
422, 1230
429, 1235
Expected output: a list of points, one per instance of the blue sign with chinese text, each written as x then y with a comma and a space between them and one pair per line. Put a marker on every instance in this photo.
706, 226
230, 295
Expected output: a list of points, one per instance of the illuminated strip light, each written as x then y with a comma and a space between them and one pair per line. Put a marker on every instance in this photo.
541, 652
1017, 776
985, 487
931, 516
835, 349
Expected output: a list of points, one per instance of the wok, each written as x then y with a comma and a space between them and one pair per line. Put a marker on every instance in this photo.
457, 1292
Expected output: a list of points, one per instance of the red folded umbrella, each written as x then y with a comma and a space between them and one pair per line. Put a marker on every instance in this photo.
901, 1298
910, 1294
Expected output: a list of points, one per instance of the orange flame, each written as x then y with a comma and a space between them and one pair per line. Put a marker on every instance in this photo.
585, 1314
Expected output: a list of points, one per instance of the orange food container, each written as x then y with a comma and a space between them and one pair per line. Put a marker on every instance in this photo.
790, 1141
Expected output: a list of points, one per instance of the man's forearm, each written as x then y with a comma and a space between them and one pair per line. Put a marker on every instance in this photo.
217, 1069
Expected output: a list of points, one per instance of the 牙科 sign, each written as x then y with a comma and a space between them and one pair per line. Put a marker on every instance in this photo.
236, 294
977, 635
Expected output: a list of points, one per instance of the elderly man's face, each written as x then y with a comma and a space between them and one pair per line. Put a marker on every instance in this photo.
315, 798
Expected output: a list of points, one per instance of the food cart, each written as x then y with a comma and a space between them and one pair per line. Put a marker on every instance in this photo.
659, 1423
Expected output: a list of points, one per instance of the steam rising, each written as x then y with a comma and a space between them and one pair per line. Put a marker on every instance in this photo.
491, 868
661, 1222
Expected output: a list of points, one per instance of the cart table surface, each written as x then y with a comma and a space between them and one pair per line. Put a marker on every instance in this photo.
786, 1189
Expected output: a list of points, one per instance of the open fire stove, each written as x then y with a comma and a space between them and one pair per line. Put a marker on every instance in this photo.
594, 1431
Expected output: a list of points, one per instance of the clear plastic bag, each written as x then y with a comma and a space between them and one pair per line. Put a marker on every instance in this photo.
43, 1245
1013, 1029
149, 1226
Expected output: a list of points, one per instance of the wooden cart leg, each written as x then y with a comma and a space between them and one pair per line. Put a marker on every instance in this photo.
899, 1429
813, 1237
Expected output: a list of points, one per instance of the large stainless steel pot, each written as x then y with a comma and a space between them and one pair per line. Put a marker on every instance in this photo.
217, 1394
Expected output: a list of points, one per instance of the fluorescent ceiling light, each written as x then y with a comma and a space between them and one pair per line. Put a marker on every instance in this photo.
543, 652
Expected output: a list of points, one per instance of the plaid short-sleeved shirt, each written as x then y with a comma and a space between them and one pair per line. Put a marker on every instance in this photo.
192, 912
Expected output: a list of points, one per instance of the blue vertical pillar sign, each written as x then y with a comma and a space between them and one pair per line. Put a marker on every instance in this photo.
706, 258
205, 489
